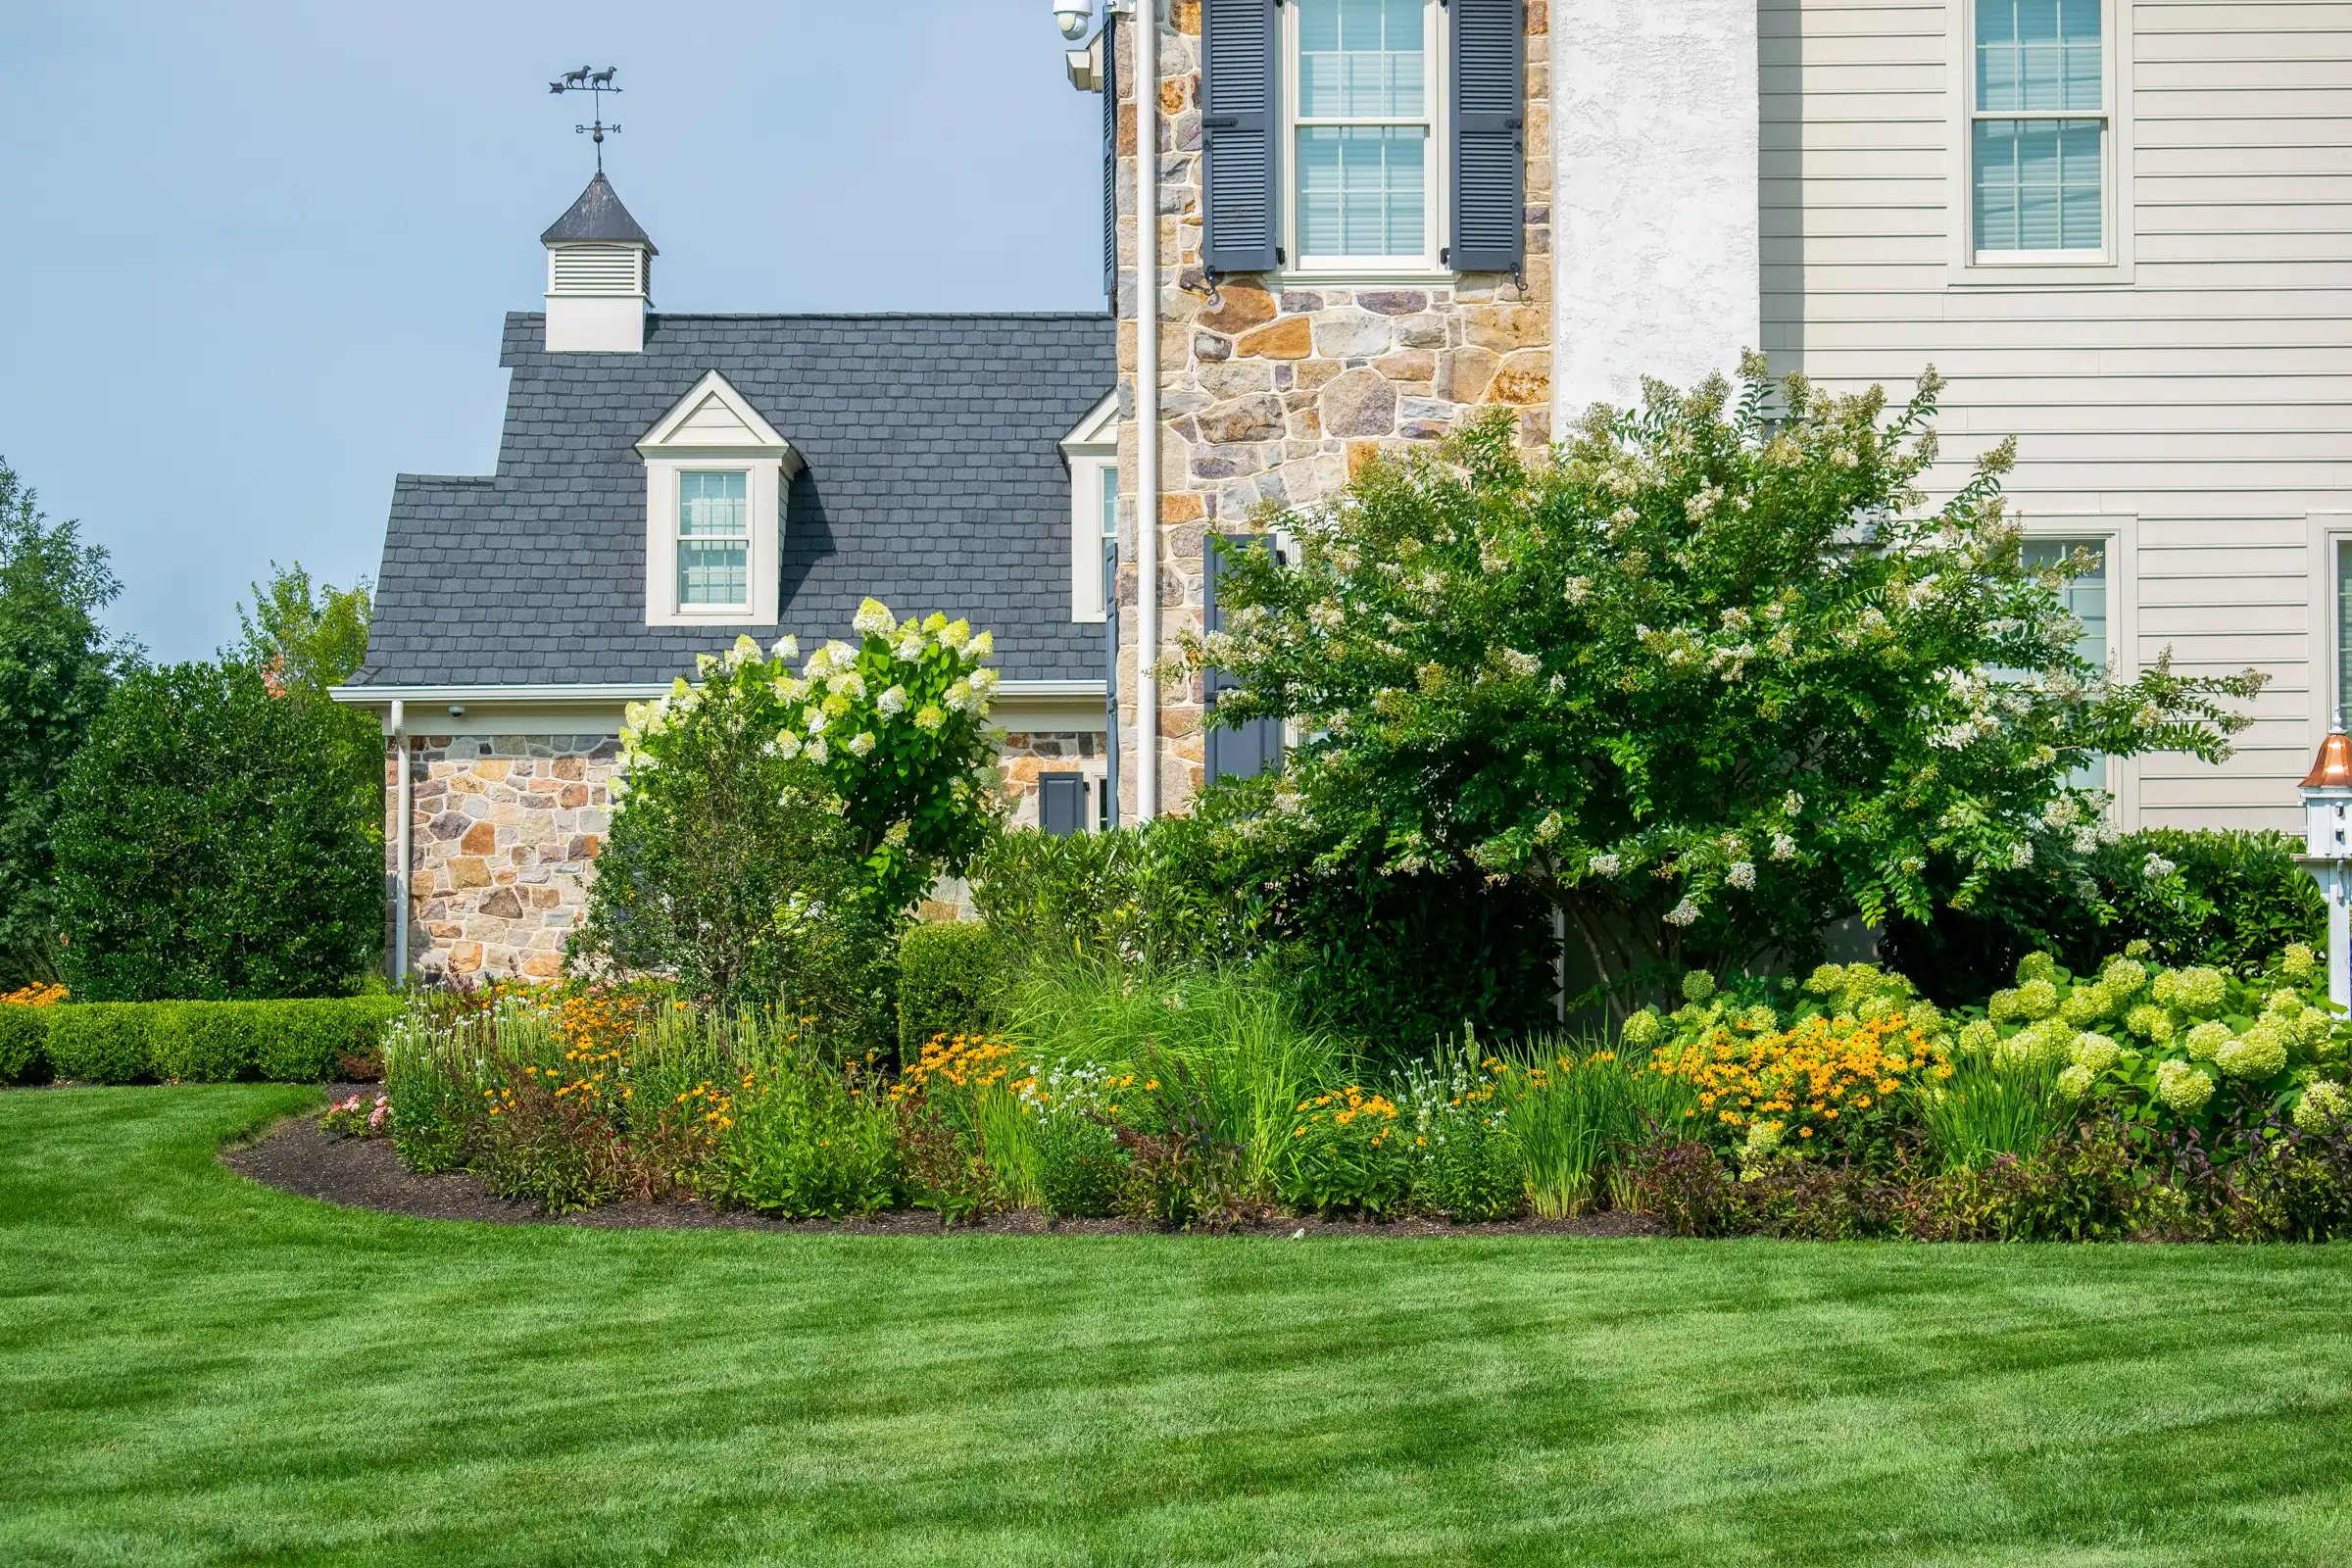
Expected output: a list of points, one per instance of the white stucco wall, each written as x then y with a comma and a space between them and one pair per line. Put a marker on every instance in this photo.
1654, 214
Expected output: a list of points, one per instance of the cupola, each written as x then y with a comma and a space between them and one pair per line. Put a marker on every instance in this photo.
598, 276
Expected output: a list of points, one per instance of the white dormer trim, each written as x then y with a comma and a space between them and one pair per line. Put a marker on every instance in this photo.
1091, 450
714, 429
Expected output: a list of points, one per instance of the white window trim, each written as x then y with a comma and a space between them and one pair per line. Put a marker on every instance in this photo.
2112, 265
1092, 451
2118, 535
766, 457
1422, 268
2325, 530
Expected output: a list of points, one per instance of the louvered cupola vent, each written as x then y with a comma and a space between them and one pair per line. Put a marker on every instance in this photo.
598, 276
595, 269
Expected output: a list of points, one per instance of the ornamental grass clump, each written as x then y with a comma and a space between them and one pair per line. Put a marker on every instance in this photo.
1577, 1112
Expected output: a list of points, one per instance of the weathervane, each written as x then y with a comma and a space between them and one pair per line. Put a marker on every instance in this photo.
588, 79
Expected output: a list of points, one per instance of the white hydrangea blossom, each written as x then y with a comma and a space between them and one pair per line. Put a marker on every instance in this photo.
814, 719
874, 620
2181, 1087
928, 717
788, 743
893, 700
2323, 1109
862, 743
2075, 1083
785, 647
815, 751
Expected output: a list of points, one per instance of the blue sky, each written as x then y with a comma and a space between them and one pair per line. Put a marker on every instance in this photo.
252, 258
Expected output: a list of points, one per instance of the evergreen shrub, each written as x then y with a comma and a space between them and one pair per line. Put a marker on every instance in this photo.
24, 1043
102, 1042
950, 978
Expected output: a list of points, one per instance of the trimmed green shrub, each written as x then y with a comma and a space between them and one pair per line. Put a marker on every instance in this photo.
24, 1043
2232, 902
102, 1042
305, 1042
218, 841
206, 1042
203, 1043
949, 982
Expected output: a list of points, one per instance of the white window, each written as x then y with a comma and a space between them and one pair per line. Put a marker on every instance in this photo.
714, 538
2044, 157
2085, 599
1363, 87
715, 476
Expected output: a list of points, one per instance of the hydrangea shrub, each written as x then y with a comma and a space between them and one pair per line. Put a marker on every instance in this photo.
1716, 675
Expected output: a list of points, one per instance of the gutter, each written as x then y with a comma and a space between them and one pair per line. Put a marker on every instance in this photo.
1147, 407
608, 692
403, 804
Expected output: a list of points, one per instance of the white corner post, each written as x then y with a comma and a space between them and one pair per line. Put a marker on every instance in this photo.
1146, 404
2328, 851
401, 839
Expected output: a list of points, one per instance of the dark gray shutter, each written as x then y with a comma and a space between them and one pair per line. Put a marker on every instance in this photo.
1490, 136
1111, 161
1061, 804
1237, 135
1254, 748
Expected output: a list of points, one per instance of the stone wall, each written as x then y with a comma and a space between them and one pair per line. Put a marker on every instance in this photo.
1274, 392
505, 831
507, 828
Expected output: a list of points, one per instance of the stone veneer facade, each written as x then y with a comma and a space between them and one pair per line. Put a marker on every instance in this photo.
1275, 392
505, 830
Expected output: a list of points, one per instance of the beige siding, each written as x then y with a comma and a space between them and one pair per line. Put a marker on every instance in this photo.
2209, 398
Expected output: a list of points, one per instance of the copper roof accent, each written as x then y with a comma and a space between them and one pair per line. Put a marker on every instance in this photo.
2331, 769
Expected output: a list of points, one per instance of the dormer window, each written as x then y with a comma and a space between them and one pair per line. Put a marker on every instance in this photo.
714, 538
716, 478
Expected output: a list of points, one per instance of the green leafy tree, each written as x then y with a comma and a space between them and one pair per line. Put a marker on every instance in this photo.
1707, 680
57, 665
304, 636
217, 839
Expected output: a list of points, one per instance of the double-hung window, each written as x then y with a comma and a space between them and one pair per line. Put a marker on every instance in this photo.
1364, 132
714, 538
2040, 131
2085, 599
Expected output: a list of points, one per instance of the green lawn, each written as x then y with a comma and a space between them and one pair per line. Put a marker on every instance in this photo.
193, 1368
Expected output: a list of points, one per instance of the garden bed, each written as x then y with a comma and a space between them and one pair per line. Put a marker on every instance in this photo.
296, 1156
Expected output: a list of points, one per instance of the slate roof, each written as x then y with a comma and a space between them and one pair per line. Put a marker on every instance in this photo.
597, 216
934, 482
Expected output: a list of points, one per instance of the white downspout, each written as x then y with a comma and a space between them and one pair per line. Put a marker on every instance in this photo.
400, 837
1147, 407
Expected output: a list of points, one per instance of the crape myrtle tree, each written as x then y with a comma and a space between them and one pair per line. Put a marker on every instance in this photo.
1712, 677
774, 827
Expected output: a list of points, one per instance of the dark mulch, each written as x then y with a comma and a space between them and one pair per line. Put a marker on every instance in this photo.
295, 1157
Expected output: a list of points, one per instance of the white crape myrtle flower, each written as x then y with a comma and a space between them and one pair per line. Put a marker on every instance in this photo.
2156, 867
1578, 590
2085, 840
1742, 875
1792, 804
874, 620
893, 700
1784, 848
2021, 856
785, 647
1519, 663
1683, 914
1607, 864
862, 743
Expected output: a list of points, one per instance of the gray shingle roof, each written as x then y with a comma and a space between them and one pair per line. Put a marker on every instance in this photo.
934, 482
